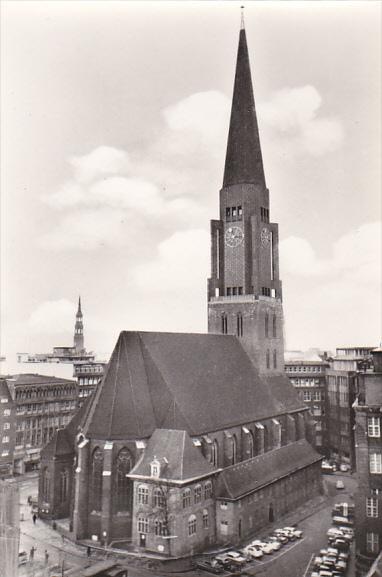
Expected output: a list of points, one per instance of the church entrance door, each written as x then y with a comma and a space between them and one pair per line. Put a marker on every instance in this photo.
142, 540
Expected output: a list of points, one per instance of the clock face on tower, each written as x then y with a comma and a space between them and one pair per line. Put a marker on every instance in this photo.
265, 237
233, 236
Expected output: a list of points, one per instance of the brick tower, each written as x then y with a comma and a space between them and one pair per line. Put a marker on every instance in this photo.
244, 291
78, 340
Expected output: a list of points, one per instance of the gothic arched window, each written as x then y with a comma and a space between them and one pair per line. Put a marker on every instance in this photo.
46, 484
266, 324
96, 480
251, 445
214, 454
123, 466
234, 449
274, 326
64, 485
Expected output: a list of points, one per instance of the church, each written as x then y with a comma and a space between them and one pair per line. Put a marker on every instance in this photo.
191, 441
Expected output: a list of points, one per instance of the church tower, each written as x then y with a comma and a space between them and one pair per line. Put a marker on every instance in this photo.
78, 341
244, 291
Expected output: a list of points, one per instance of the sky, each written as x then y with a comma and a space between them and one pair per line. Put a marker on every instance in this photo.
114, 127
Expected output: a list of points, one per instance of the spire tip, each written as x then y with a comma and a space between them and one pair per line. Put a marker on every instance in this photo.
242, 26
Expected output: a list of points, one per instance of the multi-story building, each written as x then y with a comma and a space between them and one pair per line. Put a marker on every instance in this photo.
7, 430
192, 440
9, 528
42, 405
307, 373
368, 450
341, 393
88, 376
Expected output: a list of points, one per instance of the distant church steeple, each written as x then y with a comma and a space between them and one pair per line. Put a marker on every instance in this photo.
244, 291
78, 341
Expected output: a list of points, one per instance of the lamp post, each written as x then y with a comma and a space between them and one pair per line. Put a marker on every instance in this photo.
104, 535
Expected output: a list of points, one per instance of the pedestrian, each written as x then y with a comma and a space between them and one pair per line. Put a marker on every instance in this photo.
88, 551
34, 518
46, 558
31, 553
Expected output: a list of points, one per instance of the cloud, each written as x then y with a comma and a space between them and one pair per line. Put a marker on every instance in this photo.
52, 317
356, 255
293, 114
101, 161
181, 257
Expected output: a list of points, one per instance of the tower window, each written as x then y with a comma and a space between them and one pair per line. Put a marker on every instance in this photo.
224, 324
228, 214
229, 291
266, 325
240, 290
234, 290
234, 213
265, 291
275, 359
239, 213
268, 360
274, 332
239, 320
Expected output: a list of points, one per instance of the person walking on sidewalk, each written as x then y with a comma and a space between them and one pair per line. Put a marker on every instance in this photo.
34, 518
31, 553
46, 558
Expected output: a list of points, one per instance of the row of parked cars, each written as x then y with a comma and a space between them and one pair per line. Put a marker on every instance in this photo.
236, 560
329, 467
333, 560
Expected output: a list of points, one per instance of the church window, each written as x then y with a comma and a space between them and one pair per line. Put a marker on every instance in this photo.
251, 445
197, 494
46, 484
268, 359
192, 525
123, 466
158, 498
234, 449
266, 325
186, 498
208, 490
96, 480
275, 359
143, 495
64, 485
143, 525
224, 323
274, 326
228, 214
214, 454
239, 213
205, 519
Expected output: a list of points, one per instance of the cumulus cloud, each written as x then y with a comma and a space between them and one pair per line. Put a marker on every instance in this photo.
51, 316
100, 162
181, 257
357, 255
293, 113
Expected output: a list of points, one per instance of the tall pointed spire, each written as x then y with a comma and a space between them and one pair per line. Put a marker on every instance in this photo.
79, 306
244, 163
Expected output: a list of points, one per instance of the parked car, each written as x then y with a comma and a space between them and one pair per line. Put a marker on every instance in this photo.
344, 467
340, 484
209, 565
342, 521
264, 547
275, 543
254, 552
281, 536
237, 557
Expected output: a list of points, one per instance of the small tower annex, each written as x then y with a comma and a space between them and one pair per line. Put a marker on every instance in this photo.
244, 291
78, 340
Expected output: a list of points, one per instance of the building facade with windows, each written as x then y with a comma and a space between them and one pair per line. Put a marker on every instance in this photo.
42, 405
88, 376
307, 373
7, 430
342, 388
368, 448
191, 440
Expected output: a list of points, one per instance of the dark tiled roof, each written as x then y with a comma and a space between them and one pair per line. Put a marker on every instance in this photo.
248, 476
4, 390
33, 379
180, 460
283, 392
194, 382
244, 163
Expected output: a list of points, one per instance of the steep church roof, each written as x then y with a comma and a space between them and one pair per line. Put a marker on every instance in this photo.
177, 455
243, 163
193, 382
